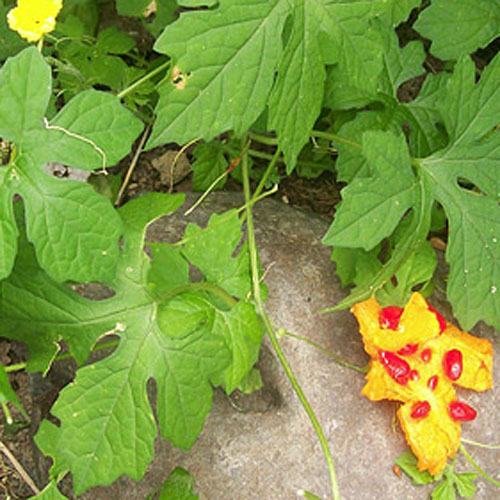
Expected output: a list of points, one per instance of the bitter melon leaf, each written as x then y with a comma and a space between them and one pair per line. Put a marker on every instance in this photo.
468, 109
23, 100
179, 485
211, 250
407, 461
426, 137
296, 99
168, 269
209, 164
131, 7
78, 136
468, 24
354, 265
239, 326
50, 492
473, 250
372, 206
400, 64
351, 162
227, 59
398, 11
350, 83
107, 424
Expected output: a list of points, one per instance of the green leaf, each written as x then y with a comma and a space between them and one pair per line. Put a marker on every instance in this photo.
165, 14
464, 483
351, 161
240, 43
168, 269
107, 424
444, 491
113, 41
372, 206
211, 250
423, 114
50, 492
354, 265
74, 230
296, 99
468, 109
210, 163
131, 7
408, 464
473, 249
400, 64
178, 486
458, 27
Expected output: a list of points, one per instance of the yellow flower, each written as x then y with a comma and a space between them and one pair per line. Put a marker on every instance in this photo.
416, 359
33, 18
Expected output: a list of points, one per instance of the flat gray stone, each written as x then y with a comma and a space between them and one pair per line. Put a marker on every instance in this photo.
263, 447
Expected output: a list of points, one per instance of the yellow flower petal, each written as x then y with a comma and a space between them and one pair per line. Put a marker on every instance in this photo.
433, 439
33, 18
417, 324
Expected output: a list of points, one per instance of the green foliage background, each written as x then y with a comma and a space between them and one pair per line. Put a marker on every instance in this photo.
285, 73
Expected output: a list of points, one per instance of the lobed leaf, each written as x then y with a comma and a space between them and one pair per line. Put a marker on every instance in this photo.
372, 206
187, 346
458, 27
74, 230
227, 88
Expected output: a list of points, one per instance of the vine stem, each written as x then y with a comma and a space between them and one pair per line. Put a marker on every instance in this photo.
145, 78
337, 359
272, 335
334, 137
479, 470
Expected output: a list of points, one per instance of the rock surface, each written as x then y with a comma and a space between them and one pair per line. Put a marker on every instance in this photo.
262, 447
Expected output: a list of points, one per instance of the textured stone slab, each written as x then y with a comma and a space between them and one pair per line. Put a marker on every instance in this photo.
263, 447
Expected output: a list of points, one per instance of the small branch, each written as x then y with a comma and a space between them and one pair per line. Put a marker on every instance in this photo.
145, 78
336, 138
131, 168
479, 470
337, 359
19, 468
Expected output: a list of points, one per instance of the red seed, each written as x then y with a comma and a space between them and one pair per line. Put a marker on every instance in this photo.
414, 376
452, 364
397, 368
420, 409
389, 317
441, 320
426, 355
408, 349
461, 412
433, 382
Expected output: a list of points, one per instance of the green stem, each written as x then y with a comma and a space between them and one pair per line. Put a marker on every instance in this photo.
337, 359
225, 218
269, 170
481, 471
145, 78
8, 416
272, 336
481, 445
263, 139
335, 138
